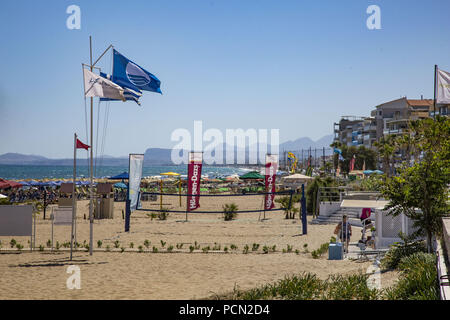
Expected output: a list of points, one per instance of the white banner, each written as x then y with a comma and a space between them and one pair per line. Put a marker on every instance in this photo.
96, 86
134, 181
443, 87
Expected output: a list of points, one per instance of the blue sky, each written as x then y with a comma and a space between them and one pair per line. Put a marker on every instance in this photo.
296, 66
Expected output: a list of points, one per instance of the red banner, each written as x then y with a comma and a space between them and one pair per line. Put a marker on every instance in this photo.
271, 173
194, 176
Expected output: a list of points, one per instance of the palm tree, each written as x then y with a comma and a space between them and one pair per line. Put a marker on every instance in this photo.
386, 148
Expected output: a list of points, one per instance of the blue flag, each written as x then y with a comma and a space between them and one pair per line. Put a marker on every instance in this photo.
129, 94
127, 74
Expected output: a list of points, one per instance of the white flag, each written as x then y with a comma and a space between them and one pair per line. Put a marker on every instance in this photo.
96, 86
443, 87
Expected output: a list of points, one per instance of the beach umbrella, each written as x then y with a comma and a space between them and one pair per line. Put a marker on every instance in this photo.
9, 184
169, 174
252, 175
24, 183
367, 171
34, 183
378, 172
123, 175
120, 185
3, 196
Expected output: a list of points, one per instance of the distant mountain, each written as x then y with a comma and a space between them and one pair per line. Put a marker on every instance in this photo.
306, 143
156, 156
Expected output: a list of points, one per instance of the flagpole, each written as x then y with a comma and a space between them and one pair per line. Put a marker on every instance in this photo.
91, 202
73, 190
434, 100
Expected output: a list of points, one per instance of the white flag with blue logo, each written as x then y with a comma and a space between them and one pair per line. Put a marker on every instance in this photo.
97, 86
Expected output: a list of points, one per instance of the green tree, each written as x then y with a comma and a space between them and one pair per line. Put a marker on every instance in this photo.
421, 191
386, 148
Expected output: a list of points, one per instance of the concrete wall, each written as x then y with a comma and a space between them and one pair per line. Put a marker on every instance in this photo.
328, 208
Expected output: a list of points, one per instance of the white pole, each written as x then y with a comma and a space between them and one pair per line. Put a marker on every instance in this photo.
91, 202
73, 192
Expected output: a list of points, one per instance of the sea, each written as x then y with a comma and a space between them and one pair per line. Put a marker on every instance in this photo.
20, 172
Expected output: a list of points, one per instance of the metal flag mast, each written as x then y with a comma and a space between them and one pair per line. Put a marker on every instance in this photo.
91, 186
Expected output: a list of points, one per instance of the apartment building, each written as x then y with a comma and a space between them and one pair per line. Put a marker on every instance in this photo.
393, 117
355, 131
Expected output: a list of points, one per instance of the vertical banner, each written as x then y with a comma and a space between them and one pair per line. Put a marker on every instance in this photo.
134, 180
271, 173
194, 176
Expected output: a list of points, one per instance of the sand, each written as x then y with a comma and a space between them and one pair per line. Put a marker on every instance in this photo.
163, 275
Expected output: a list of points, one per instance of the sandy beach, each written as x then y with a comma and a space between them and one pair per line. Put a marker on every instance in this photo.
168, 275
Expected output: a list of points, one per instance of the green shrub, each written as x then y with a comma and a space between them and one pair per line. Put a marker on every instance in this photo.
246, 248
13, 243
191, 248
255, 247
225, 249
229, 211
19, 246
401, 249
163, 243
116, 244
418, 279
274, 248
233, 247
131, 244
146, 243
122, 249
140, 248
308, 286
99, 243
155, 249
41, 247
266, 249
169, 248
163, 214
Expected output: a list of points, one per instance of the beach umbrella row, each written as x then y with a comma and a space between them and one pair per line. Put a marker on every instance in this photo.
4, 184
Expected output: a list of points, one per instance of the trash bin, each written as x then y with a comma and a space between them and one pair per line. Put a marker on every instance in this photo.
335, 251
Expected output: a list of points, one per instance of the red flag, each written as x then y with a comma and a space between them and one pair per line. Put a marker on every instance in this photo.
81, 145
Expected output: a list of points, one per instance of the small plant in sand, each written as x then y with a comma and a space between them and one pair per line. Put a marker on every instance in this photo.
191, 248
216, 246
229, 211
163, 214
196, 245
41, 247
131, 244
333, 240
49, 243
13, 243
99, 243
155, 249
66, 244
146, 243
274, 248
57, 245
140, 248
305, 248
297, 251
266, 249
179, 246
225, 249
289, 248
205, 249
255, 247
169, 248
122, 249
163, 243
108, 248
86, 246
1, 244
246, 247
19, 246
116, 244
152, 215
233, 247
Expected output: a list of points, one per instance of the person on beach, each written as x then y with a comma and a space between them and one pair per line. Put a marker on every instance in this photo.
344, 230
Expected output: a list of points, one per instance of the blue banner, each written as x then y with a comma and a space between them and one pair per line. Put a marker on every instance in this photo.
128, 74
134, 182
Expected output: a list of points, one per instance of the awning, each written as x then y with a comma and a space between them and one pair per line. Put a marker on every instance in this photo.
375, 204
